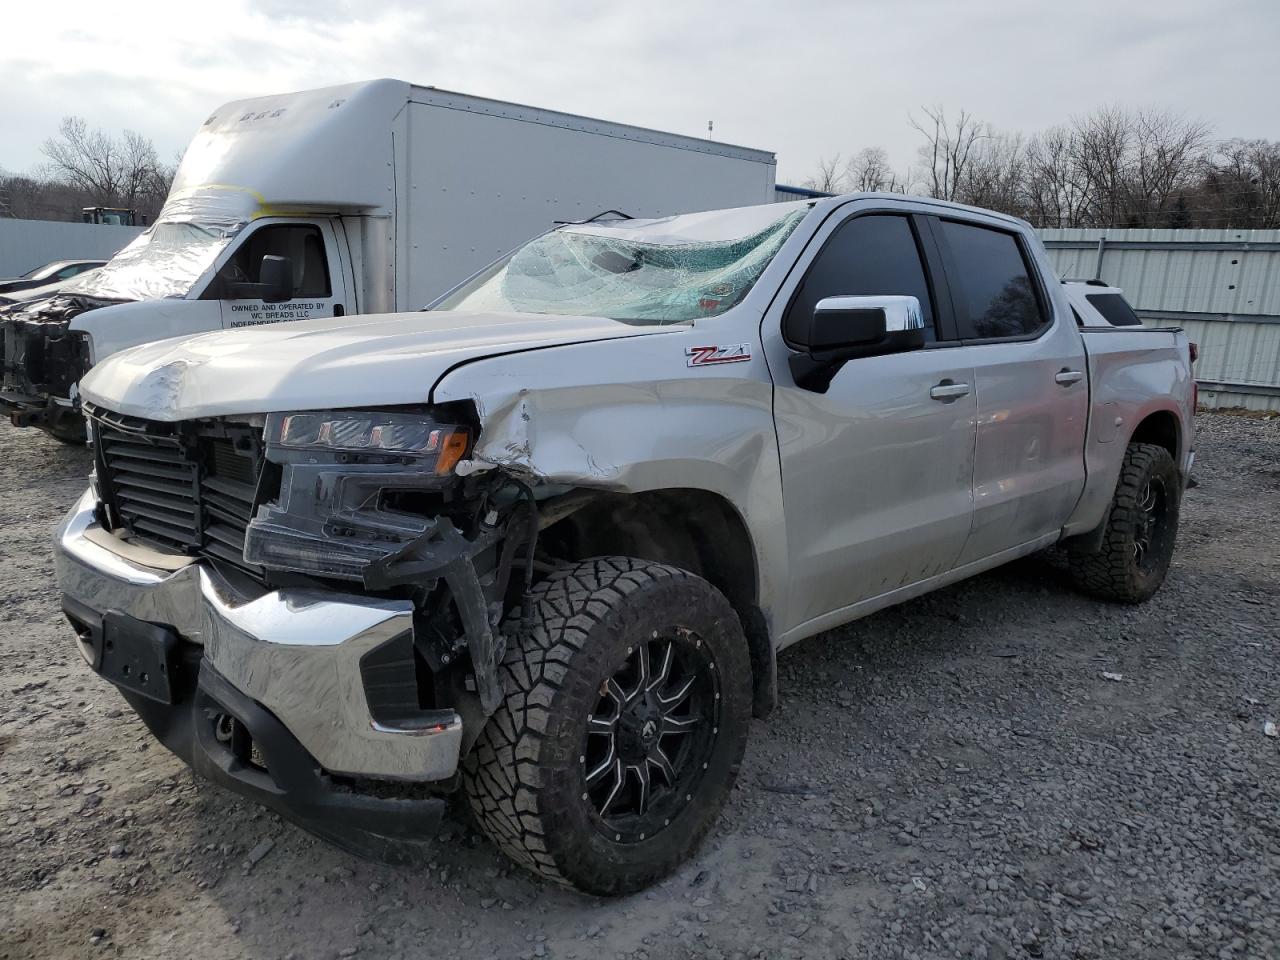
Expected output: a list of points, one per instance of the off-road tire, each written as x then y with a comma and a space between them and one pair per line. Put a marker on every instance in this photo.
524, 779
1114, 572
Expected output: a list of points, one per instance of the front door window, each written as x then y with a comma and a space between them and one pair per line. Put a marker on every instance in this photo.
312, 288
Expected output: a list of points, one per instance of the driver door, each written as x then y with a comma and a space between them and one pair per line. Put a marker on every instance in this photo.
877, 470
318, 289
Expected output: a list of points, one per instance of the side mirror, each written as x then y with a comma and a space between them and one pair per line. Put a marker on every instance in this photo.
275, 276
275, 282
845, 328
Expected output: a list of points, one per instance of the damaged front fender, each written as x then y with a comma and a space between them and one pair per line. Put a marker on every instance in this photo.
629, 416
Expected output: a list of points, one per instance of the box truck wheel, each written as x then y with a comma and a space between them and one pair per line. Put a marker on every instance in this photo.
625, 720
1141, 527
68, 431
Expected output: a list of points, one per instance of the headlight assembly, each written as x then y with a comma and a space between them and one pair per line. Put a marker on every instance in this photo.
405, 434
336, 471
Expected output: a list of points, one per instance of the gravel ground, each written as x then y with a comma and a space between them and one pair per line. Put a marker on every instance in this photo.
954, 778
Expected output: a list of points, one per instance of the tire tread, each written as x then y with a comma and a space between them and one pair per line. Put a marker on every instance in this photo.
1109, 572
502, 774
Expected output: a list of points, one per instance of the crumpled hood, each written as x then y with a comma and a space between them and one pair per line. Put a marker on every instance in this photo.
376, 360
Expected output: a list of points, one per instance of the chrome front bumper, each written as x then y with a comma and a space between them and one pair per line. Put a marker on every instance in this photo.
295, 652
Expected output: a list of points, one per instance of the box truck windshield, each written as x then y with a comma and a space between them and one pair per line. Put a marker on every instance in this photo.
163, 262
671, 270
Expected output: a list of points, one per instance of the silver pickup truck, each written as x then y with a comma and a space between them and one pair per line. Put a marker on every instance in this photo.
541, 544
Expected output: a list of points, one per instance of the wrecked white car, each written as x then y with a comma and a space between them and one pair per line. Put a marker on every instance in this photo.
542, 543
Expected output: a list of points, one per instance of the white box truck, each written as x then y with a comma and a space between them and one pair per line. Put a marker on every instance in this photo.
365, 198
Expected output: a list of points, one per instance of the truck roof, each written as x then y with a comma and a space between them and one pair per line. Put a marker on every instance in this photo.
828, 200
554, 118
331, 149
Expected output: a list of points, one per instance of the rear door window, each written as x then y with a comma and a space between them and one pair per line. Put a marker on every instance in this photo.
1115, 308
992, 285
869, 255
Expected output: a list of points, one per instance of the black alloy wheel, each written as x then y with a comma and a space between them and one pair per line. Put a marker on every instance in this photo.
1150, 525
650, 736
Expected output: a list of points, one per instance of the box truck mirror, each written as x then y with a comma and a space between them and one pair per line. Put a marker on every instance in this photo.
276, 278
274, 284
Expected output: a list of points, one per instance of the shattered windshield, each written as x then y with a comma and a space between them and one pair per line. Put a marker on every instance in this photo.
669, 270
163, 262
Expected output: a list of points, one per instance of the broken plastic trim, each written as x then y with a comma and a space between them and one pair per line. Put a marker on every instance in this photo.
443, 553
330, 520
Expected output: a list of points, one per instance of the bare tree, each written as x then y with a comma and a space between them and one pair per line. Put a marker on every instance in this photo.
829, 178
1115, 167
1170, 153
113, 171
1134, 169
868, 170
948, 149
1054, 194
1263, 170
32, 198
995, 175
88, 158
1101, 153
1240, 186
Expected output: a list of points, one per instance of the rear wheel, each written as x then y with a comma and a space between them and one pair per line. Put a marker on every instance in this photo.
625, 721
1137, 546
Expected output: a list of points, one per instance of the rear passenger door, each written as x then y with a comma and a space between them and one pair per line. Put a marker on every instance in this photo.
1032, 390
318, 282
876, 469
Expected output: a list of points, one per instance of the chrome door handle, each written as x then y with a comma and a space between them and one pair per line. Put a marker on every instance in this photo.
1068, 377
949, 390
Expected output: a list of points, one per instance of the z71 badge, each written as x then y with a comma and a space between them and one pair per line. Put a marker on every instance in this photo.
706, 356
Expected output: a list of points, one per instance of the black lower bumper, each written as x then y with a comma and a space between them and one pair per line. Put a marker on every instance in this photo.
237, 743
25, 410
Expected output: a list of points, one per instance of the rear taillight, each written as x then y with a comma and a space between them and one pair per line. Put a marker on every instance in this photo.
1194, 349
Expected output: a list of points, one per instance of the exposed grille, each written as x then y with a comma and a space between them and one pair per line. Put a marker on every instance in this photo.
189, 487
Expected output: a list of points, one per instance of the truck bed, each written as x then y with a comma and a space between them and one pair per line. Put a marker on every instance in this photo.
1130, 369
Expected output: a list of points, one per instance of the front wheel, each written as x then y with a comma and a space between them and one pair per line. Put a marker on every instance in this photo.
624, 724
1142, 524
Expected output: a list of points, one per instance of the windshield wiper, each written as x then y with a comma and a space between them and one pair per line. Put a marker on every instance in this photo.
601, 214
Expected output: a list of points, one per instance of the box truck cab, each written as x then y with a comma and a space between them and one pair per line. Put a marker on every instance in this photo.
365, 198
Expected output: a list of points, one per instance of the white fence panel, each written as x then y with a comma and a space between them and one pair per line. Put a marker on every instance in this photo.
27, 244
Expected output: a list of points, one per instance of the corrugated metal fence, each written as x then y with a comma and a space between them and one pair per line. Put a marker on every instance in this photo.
1221, 286
27, 244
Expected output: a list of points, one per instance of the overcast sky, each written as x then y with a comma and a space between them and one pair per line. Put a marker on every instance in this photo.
804, 78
